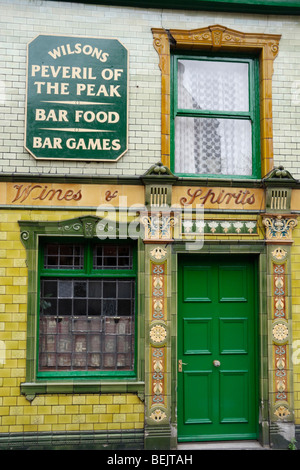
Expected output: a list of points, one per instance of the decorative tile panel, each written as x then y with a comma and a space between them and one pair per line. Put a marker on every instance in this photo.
219, 227
278, 234
158, 290
280, 331
158, 335
280, 335
158, 376
158, 226
279, 228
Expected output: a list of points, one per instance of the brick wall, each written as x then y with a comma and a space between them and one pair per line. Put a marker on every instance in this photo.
22, 20
48, 413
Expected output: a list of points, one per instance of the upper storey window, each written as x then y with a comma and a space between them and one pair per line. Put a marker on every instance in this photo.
215, 117
216, 111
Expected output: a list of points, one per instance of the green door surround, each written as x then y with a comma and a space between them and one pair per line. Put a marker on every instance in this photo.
257, 251
276, 427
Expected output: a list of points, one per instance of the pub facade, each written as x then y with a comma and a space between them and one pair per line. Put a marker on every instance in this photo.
150, 246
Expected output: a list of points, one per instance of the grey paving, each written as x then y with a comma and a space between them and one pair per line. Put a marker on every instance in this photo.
222, 445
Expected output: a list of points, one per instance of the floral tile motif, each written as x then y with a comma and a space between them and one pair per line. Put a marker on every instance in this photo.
158, 225
280, 228
158, 333
280, 331
220, 227
158, 290
158, 376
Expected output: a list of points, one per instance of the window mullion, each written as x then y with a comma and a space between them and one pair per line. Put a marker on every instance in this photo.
88, 258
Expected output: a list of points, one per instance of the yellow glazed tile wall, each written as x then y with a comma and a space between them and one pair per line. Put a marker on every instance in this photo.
48, 413
295, 267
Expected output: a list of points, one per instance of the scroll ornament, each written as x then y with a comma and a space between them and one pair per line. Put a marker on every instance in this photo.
279, 228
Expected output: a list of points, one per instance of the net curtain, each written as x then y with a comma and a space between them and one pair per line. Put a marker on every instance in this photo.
205, 145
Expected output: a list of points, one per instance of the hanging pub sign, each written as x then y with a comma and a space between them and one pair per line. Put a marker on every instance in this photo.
77, 91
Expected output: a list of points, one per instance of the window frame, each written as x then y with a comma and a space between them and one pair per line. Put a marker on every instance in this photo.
83, 227
87, 272
252, 115
219, 39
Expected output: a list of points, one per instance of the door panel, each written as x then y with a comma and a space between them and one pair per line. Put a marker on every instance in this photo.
233, 335
197, 335
197, 283
201, 411
233, 284
234, 403
217, 322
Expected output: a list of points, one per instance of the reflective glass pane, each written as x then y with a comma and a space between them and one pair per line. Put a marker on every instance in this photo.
80, 288
109, 307
109, 289
65, 289
59, 256
95, 289
65, 307
85, 323
124, 290
80, 307
94, 307
49, 288
124, 307
112, 257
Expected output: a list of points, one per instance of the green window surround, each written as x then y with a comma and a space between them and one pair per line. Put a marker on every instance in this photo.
77, 282
215, 128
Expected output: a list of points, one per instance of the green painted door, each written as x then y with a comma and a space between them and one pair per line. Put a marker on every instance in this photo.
217, 387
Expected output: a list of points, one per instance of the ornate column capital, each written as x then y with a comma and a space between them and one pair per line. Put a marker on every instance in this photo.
279, 227
158, 226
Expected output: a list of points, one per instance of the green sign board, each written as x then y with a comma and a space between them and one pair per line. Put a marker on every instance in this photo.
77, 91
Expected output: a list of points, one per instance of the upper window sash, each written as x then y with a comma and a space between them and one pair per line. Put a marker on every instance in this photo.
205, 105
87, 260
205, 108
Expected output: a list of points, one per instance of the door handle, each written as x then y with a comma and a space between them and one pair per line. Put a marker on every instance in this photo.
180, 364
216, 363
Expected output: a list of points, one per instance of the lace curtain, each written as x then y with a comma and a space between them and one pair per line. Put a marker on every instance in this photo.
206, 145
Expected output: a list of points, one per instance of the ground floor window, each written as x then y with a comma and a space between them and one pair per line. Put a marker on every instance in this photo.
87, 318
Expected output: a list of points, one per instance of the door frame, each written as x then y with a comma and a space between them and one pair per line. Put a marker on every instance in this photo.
258, 250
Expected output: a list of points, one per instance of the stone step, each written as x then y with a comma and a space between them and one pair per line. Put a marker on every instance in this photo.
222, 445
